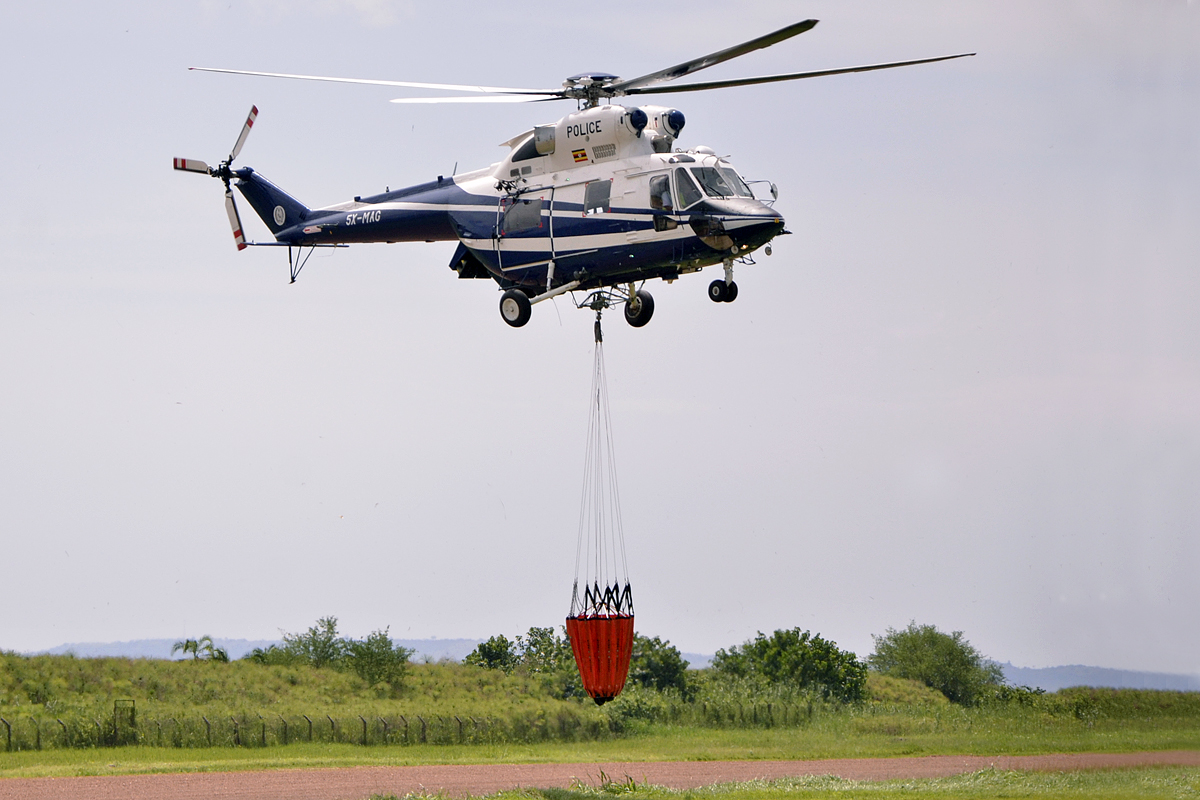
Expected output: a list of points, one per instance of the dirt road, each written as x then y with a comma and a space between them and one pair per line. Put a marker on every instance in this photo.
459, 780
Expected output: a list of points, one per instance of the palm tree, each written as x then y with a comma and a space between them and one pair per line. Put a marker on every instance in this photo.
187, 646
202, 648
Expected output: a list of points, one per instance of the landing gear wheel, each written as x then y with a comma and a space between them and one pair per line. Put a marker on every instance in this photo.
730, 292
515, 307
716, 291
639, 308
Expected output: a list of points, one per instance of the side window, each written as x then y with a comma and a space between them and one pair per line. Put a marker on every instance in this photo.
522, 215
688, 193
660, 194
596, 198
528, 150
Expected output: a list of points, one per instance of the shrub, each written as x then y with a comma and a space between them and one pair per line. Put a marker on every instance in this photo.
656, 664
376, 659
943, 661
799, 659
496, 653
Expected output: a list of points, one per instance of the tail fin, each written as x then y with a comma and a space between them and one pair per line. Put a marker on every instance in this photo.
277, 208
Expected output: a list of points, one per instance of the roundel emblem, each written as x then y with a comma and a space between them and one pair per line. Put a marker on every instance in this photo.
280, 215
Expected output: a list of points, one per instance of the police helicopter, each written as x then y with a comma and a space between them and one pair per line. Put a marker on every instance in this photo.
596, 203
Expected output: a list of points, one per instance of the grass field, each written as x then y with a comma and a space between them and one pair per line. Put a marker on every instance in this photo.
60, 712
1100, 785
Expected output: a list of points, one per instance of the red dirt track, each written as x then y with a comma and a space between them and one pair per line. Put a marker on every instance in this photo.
353, 783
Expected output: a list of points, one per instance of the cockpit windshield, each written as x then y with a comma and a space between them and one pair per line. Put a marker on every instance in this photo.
721, 182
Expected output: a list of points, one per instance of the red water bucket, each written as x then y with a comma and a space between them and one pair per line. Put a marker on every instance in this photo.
602, 644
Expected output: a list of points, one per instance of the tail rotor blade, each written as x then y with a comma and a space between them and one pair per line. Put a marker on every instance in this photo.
241, 140
190, 165
235, 221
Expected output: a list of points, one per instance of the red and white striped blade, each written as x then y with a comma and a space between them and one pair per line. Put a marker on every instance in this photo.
235, 221
190, 165
237, 148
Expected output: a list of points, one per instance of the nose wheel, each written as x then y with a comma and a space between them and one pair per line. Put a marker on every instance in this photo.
724, 291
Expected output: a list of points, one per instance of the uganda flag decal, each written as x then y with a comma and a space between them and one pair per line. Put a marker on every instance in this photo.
580, 155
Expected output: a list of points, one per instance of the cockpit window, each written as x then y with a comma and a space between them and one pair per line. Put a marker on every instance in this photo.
686, 187
734, 180
721, 182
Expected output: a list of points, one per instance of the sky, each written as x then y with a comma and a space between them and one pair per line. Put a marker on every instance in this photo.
964, 392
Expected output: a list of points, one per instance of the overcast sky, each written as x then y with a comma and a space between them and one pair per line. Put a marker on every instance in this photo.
965, 392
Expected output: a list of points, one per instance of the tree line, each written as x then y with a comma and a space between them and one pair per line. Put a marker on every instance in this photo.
790, 660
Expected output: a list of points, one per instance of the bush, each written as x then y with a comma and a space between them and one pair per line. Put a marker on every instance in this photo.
376, 659
496, 653
656, 664
319, 646
943, 661
798, 659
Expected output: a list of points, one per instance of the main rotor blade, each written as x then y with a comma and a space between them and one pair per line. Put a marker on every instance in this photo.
235, 221
241, 140
190, 165
445, 87
794, 76
688, 67
495, 98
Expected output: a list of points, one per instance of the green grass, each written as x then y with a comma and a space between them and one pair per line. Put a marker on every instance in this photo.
519, 718
1153, 782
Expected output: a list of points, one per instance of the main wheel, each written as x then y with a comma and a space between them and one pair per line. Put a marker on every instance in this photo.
730, 292
716, 291
515, 307
639, 308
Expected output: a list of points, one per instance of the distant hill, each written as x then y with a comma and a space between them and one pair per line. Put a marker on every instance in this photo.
431, 649
1054, 678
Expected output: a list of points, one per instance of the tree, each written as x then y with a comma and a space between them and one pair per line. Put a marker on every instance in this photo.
798, 659
376, 659
541, 651
202, 649
943, 661
658, 665
319, 646
496, 653
187, 646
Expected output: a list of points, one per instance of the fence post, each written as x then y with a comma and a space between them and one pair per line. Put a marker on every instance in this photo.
405, 721
159, 724
207, 730
175, 737
8, 745
459, 721
264, 729
332, 728
364, 736
37, 727
422, 719
237, 734
66, 738
99, 734
384, 723
285, 731
309, 726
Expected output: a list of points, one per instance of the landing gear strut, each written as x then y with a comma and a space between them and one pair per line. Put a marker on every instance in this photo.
639, 304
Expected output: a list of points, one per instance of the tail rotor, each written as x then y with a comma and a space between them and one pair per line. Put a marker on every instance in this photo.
225, 173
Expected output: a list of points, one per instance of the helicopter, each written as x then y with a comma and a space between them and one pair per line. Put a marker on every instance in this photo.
597, 203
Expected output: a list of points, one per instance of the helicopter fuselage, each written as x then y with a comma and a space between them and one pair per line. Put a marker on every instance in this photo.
596, 199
